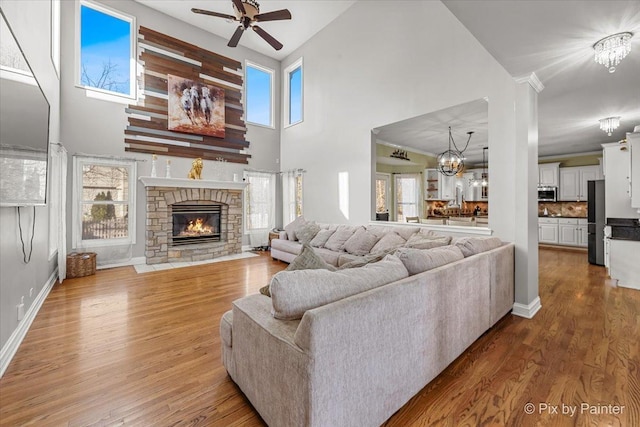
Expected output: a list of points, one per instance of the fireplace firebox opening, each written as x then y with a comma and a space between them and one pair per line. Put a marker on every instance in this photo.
193, 224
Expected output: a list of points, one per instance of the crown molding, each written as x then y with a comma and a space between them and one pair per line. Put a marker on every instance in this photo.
533, 81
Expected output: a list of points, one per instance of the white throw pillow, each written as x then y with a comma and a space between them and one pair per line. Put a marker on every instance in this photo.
420, 260
293, 226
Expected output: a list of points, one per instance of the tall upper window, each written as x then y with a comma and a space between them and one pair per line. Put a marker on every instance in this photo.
106, 54
259, 95
104, 202
294, 93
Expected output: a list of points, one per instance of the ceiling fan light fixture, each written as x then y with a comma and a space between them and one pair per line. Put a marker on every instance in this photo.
612, 49
609, 124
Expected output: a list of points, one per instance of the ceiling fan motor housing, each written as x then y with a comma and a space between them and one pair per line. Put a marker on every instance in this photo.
250, 6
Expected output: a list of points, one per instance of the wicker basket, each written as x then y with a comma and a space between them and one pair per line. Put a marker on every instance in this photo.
80, 264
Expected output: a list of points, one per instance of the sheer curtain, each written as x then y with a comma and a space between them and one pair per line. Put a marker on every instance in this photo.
260, 209
291, 195
58, 207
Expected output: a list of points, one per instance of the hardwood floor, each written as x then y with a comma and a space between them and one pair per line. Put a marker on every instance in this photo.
144, 349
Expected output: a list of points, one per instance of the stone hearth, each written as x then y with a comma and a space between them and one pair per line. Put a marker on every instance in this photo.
163, 193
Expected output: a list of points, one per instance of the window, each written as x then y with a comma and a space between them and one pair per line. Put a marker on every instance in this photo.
259, 93
106, 53
292, 184
293, 93
104, 202
407, 196
260, 197
383, 188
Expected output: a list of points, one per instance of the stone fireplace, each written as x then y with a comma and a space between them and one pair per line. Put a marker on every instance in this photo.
192, 220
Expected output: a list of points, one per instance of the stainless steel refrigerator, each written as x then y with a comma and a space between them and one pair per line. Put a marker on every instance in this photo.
596, 221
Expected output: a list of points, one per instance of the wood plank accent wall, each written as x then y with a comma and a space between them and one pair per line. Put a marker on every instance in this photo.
147, 131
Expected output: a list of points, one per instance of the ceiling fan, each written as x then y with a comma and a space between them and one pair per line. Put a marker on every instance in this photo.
248, 14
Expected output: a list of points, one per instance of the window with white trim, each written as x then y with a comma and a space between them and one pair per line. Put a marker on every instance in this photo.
105, 54
407, 196
292, 187
293, 93
259, 94
260, 201
104, 202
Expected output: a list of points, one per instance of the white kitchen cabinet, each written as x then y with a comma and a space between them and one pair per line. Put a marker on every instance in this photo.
623, 263
573, 182
617, 180
548, 230
431, 181
583, 235
633, 139
446, 187
548, 174
568, 231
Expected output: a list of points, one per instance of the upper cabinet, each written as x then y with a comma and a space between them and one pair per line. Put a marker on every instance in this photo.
438, 186
633, 139
548, 174
573, 182
617, 182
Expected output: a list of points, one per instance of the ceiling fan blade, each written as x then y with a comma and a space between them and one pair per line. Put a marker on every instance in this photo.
239, 6
235, 38
277, 15
267, 37
208, 12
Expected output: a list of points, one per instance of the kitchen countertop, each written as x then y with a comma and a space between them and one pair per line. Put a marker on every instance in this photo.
560, 216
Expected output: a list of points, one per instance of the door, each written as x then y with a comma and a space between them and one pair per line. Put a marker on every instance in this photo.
407, 197
568, 234
548, 233
583, 237
589, 173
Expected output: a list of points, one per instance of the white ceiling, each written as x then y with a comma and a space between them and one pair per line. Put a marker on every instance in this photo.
554, 39
307, 18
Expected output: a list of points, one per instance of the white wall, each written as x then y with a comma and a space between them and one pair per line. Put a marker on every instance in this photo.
378, 63
30, 22
92, 126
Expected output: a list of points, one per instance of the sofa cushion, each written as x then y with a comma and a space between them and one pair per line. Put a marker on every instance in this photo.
293, 226
420, 260
474, 245
337, 240
422, 241
361, 242
307, 232
361, 261
286, 246
328, 255
391, 240
346, 258
309, 260
294, 292
321, 238
406, 232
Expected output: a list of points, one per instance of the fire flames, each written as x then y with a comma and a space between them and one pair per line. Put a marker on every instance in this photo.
197, 228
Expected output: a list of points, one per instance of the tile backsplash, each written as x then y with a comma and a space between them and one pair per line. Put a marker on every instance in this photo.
566, 209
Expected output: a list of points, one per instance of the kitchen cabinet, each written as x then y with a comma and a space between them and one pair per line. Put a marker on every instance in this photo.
583, 235
617, 181
573, 182
623, 262
548, 174
548, 230
446, 187
472, 193
438, 186
568, 232
633, 139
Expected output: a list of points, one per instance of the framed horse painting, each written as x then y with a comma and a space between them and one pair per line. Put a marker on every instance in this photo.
195, 107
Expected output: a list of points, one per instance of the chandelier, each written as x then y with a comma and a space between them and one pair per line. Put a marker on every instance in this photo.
611, 50
451, 162
609, 124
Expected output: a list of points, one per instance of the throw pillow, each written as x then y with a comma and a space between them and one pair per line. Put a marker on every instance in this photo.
430, 234
420, 241
307, 232
420, 260
309, 260
474, 245
391, 240
293, 226
295, 292
406, 232
367, 259
337, 240
361, 242
321, 238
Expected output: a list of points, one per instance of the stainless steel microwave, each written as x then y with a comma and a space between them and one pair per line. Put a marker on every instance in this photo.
547, 194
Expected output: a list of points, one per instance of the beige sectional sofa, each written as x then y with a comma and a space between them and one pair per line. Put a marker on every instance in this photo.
337, 251
357, 359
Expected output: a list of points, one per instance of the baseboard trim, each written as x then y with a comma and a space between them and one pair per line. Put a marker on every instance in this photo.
11, 346
527, 311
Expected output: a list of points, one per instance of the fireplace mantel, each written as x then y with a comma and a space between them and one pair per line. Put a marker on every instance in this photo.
150, 181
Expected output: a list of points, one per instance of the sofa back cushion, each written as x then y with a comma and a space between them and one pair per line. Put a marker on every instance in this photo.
321, 237
293, 226
338, 239
426, 241
307, 232
389, 241
474, 245
420, 260
294, 292
361, 242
